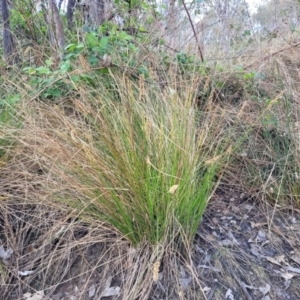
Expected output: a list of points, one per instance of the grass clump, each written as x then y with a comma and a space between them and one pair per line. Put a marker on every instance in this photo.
141, 163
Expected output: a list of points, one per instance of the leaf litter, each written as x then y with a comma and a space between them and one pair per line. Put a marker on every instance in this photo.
230, 258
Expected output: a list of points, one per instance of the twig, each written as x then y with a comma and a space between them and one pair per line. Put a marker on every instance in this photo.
193, 28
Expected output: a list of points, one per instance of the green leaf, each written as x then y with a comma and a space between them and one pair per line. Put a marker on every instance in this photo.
49, 62
93, 60
134, 3
143, 70
248, 76
91, 39
53, 92
30, 70
142, 29
11, 100
43, 70
103, 42
80, 46
65, 66
246, 32
103, 71
70, 47
124, 36
70, 55
75, 78
14, 99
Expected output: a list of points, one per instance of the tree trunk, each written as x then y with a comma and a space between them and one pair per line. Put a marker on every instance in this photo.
70, 12
55, 26
97, 11
8, 44
59, 4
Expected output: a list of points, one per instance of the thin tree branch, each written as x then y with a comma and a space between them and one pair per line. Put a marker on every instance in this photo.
193, 28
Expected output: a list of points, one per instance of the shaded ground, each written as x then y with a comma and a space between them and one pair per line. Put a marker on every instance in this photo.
250, 248
244, 249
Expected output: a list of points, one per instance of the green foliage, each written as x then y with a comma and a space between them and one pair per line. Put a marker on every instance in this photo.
54, 84
47, 83
7, 119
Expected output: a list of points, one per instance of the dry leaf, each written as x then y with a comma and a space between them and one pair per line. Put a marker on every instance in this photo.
243, 154
265, 290
261, 236
229, 295
172, 91
92, 291
110, 291
5, 254
210, 238
226, 243
287, 276
106, 61
37, 296
25, 273
255, 251
291, 269
225, 212
185, 282
206, 289
235, 209
173, 189
296, 258
27, 295
235, 241
215, 221
248, 206
28, 49
276, 260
